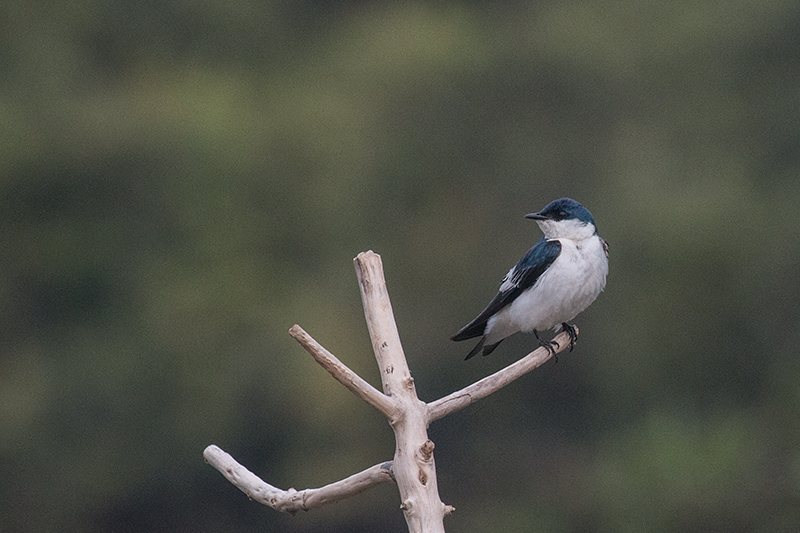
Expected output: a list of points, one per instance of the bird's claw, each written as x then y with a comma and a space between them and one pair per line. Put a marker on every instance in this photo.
550, 346
573, 335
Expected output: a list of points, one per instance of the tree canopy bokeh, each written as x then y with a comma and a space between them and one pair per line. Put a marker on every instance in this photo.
180, 182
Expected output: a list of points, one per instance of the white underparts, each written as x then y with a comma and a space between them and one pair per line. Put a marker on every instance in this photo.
567, 287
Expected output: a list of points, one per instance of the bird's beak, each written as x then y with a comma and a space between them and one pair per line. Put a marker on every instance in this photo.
536, 216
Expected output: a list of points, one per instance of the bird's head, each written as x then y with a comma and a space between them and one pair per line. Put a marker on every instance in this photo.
565, 218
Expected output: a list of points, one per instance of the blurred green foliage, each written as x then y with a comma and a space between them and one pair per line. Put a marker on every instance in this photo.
180, 182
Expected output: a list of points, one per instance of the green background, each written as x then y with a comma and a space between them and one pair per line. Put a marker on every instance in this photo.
181, 181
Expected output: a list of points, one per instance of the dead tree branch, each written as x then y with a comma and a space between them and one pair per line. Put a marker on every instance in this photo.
344, 375
413, 467
480, 389
292, 500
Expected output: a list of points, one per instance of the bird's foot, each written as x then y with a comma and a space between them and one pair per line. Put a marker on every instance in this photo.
573, 335
550, 346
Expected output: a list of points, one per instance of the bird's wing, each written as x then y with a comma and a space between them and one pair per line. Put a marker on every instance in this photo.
523, 276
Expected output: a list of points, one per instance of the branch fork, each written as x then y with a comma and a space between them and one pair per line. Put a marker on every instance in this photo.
413, 467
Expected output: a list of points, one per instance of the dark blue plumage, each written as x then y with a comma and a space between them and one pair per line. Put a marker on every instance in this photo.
521, 277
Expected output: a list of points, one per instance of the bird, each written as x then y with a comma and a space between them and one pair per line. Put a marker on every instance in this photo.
560, 276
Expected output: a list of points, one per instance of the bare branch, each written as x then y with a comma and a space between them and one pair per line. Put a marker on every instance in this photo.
414, 464
395, 375
291, 500
413, 467
355, 383
480, 389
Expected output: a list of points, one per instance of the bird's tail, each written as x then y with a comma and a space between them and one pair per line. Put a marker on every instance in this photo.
478, 347
487, 349
471, 330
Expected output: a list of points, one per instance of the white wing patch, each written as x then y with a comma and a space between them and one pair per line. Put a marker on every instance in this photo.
509, 282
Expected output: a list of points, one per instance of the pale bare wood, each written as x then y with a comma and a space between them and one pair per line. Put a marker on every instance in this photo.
414, 465
291, 500
480, 389
355, 383
395, 374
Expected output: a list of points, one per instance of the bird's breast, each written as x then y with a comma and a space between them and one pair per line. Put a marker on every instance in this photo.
565, 289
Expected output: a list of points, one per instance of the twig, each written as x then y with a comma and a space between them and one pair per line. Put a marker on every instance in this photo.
480, 389
291, 500
355, 383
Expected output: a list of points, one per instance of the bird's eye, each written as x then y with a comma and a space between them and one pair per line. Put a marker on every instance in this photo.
562, 214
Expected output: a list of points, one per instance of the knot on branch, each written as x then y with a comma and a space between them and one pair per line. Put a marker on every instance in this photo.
289, 501
426, 451
388, 467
